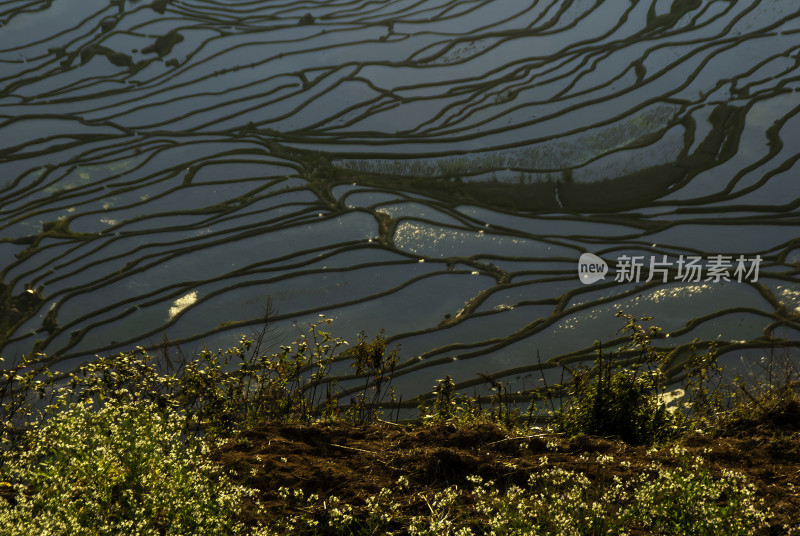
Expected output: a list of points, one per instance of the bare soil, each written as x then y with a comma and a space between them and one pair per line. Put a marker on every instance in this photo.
355, 462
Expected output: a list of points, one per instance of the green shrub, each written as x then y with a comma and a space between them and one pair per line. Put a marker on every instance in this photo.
372, 361
623, 399
20, 383
686, 500
705, 399
231, 390
445, 403
120, 469
689, 500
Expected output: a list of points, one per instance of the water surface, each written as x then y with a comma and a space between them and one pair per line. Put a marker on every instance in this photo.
433, 168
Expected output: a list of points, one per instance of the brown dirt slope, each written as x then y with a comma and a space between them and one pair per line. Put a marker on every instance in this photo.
352, 463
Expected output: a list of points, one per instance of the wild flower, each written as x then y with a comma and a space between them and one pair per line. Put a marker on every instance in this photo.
123, 469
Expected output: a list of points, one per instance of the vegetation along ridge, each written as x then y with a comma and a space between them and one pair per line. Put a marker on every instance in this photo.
257, 441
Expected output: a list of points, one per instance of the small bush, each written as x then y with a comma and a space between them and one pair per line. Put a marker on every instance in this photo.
372, 361
689, 500
445, 403
122, 469
618, 399
683, 500
231, 390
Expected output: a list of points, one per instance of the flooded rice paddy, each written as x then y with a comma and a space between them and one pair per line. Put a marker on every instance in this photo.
434, 168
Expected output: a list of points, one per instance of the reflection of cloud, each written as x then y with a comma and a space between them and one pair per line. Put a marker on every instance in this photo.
182, 303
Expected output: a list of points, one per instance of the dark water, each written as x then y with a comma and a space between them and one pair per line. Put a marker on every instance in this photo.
434, 168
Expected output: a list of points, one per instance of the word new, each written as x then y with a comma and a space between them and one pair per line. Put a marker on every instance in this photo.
689, 268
